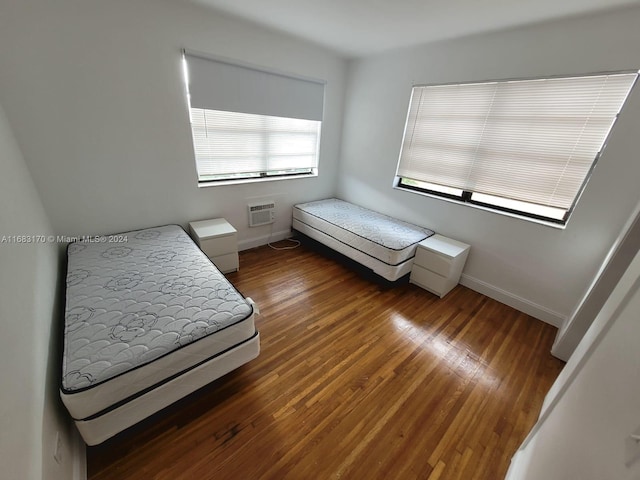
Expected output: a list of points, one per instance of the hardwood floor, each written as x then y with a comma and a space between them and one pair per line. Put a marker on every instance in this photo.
355, 380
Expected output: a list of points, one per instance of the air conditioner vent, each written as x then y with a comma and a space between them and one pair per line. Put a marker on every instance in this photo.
261, 213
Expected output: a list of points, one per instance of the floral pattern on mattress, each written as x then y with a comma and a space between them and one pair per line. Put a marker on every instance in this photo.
132, 302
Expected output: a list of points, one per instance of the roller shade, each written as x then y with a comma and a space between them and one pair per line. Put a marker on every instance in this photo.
220, 85
250, 123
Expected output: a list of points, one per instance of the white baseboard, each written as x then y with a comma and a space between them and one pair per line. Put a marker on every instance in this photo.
515, 467
79, 456
522, 304
263, 240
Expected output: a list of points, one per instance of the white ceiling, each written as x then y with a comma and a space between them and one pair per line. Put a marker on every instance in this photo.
364, 27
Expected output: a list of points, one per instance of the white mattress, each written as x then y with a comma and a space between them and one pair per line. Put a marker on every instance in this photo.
391, 241
141, 309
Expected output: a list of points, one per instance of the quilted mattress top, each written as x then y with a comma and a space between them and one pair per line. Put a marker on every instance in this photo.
135, 297
387, 231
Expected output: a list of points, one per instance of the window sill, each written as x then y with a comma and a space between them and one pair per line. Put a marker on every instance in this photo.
557, 226
255, 180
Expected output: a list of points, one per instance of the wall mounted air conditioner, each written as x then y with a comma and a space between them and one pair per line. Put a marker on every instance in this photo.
261, 213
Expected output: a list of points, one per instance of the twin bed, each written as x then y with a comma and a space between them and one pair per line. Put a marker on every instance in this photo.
149, 319
382, 243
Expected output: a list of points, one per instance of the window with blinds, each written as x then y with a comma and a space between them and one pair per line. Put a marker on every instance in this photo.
523, 146
249, 123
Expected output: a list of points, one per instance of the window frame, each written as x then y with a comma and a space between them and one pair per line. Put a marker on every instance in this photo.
205, 180
466, 196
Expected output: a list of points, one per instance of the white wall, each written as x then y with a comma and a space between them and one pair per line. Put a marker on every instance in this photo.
95, 95
30, 410
613, 267
538, 269
593, 407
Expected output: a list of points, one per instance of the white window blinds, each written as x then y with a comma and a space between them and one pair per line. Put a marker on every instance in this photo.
249, 123
532, 141
230, 145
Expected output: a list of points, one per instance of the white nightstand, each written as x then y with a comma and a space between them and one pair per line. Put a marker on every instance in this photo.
438, 264
219, 241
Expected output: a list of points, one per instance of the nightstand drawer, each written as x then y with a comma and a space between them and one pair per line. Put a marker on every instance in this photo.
438, 264
433, 261
429, 280
213, 247
226, 263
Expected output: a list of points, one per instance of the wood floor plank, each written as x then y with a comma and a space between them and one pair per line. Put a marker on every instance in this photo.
356, 379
